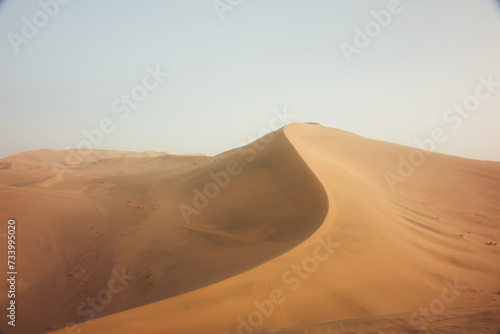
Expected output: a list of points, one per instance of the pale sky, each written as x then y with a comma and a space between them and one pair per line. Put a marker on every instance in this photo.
69, 73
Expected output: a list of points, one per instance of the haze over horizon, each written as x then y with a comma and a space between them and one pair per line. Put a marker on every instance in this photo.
228, 78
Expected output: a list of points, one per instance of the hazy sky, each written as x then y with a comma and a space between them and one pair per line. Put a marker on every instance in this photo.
230, 67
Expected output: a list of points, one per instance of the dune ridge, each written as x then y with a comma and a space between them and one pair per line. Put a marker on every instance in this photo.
329, 246
392, 253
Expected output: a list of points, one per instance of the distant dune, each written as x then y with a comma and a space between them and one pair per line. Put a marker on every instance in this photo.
298, 232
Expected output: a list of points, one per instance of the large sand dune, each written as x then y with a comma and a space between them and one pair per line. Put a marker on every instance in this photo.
298, 232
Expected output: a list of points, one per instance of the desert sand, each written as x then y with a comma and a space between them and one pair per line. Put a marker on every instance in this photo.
298, 232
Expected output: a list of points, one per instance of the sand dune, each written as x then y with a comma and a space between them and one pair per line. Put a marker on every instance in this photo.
298, 232
115, 212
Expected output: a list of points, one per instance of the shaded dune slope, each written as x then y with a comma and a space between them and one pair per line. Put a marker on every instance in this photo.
120, 212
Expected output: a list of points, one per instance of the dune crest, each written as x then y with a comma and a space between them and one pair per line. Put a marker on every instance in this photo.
376, 253
302, 234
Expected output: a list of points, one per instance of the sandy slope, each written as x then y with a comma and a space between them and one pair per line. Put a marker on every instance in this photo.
119, 213
276, 248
